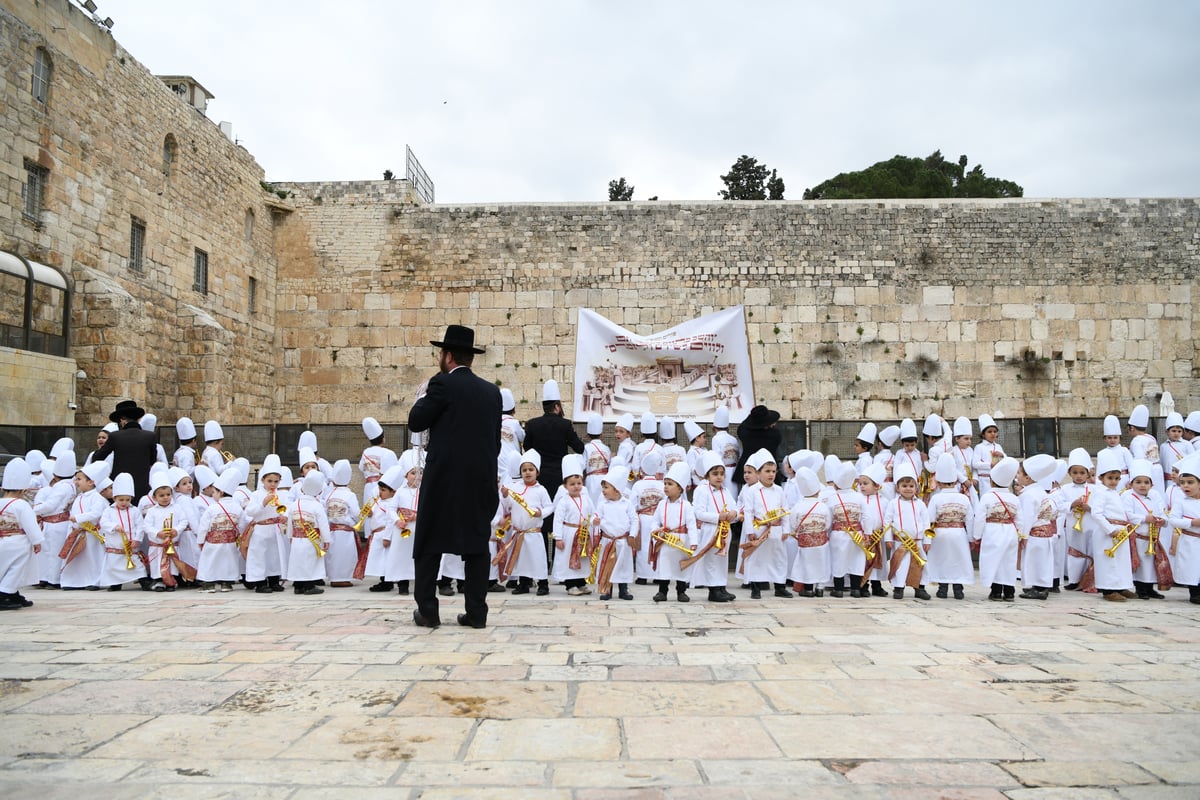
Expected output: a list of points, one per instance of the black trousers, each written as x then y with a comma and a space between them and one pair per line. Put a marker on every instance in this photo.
476, 567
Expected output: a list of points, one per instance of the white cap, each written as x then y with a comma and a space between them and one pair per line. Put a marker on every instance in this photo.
932, 426
393, 477
325, 467
985, 422
407, 463
1004, 472
550, 393
1060, 471
844, 475
760, 458
876, 473
654, 462
531, 457
97, 470
341, 472
1041, 468
709, 461
242, 465
626, 422
34, 459
680, 473
617, 477
902, 470
270, 466
212, 431
205, 477
306, 456
507, 401
595, 425
649, 425
175, 475
113, 427
313, 483
868, 433
1192, 423
17, 475
807, 482
148, 422
908, 429
307, 439
572, 464
947, 469
161, 481
666, 428
1140, 418
285, 477
1079, 457
103, 483
1112, 426
1189, 465
692, 430
123, 485
64, 465
1174, 420
371, 428
962, 427
889, 435
61, 446
721, 417
185, 429
831, 465
228, 481
158, 467
1107, 460
1140, 468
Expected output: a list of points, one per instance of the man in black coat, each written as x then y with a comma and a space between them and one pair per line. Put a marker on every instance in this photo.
757, 432
461, 411
133, 449
551, 435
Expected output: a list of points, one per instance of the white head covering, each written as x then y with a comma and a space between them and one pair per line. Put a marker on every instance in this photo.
666, 428
371, 428
306, 456
1140, 418
307, 439
1112, 426
148, 422
868, 433
212, 431
595, 425
64, 465
17, 475
163, 480
103, 483
844, 476
242, 465
653, 463
649, 425
1004, 472
1041, 469
393, 477
406, 464
617, 477
341, 472
572, 464
512, 465
831, 464
113, 427
626, 422
807, 482
932, 426
61, 446
228, 481
947, 469
1140, 468
985, 422
1174, 420
721, 417
531, 457
123, 485
1189, 465
1060, 471
903, 470
205, 477
33, 460
1192, 423
285, 477
876, 473
680, 473
811, 459
1079, 457
889, 435
271, 465
507, 401
97, 470
48, 469
908, 429
760, 458
1107, 460
709, 461
962, 427
691, 430
185, 429
550, 392
158, 467
174, 476
313, 483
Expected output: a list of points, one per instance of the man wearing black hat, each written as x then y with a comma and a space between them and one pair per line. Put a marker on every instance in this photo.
461, 411
756, 432
134, 450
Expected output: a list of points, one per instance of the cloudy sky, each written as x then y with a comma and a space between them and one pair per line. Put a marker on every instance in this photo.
547, 101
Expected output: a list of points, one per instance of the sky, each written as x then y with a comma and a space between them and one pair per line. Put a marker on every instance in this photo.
522, 101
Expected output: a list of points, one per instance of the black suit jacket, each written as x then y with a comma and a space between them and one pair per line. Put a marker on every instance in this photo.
134, 451
459, 496
551, 435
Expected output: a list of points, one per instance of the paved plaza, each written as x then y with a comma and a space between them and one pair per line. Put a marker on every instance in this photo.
191, 695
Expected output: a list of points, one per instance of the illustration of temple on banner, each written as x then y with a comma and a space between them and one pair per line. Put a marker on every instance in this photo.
686, 372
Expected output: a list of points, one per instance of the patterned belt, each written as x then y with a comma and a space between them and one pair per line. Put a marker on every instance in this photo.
949, 525
11, 532
373, 479
341, 526
61, 517
843, 527
1042, 531
221, 537
116, 551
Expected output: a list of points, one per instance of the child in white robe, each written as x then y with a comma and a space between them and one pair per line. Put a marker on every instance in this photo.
573, 538
716, 510
527, 504
995, 529
121, 527
674, 528
764, 559
221, 525
616, 524
810, 522
20, 537
341, 508
400, 567
308, 530
950, 519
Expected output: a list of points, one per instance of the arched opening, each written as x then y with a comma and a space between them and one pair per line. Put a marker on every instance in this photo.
169, 154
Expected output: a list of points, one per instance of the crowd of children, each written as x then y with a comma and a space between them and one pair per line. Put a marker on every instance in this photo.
1123, 524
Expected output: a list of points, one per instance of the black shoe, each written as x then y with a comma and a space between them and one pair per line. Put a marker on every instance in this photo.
755, 593
942, 592
313, 590
625, 595
728, 595
995, 597
543, 590
382, 586
521, 589
782, 592
661, 596
606, 596
1153, 595
43, 585
263, 588
402, 589
920, 594
682, 597
496, 587
877, 589
716, 596
838, 593
22, 601
467, 622
958, 592
420, 621
448, 591
1071, 587
808, 593
898, 594
511, 584
115, 588
1029, 593
641, 582
856, 593
821, 593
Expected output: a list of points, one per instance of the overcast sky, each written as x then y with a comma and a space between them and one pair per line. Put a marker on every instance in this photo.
547, 101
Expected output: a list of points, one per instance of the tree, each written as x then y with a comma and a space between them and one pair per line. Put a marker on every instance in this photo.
619, 190
904, 177
388, 175
747, 180
775, 187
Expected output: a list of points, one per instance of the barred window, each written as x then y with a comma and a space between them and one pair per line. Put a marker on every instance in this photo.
137, 244
200, 283
34, 191
42, 68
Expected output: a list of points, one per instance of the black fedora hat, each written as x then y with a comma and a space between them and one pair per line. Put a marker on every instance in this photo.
127, 409
458, 337
760, 418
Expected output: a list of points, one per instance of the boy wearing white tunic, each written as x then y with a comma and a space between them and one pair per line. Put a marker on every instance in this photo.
645, 496
221, 525
266, 517
1184, 519
995, 528
1112, 440
1038, 515
20, 537
697, 441
950, 518
598, 456
573, 539
849, 535
716, 509
764, 560
379, 529
870, 486
375, 460
83, 552
165, 525
1174, 448
616, 524
53, 510
649, 429
400, 567
1144, 507
673, 453
908, 519
1144, 446
214, 440
987, 453
725, 444
674, 528
1114, 568
527, 504
885, 458
341, 507
185, 454
512, 435
308, 530
810, 521
624, 434
121, 527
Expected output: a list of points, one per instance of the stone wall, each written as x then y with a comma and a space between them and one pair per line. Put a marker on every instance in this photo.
37, 388
855, 309
102, 136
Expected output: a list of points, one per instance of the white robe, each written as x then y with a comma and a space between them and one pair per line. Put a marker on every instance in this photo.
680, 520
949, 555
1115, 572
17, 565
398, 559
116, 568
569, 513
712, 570
768, 563
304, 564
220, 525
531, 561
810, 522
995, 528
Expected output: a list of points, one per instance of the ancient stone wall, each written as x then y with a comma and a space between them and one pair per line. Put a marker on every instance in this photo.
855, 309
118, 144
38, 388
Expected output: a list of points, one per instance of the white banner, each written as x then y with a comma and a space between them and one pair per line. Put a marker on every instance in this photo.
686, 372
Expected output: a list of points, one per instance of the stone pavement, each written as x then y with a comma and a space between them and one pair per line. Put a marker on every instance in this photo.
191, 695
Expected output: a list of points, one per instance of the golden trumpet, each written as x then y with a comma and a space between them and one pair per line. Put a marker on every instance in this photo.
1119, 538
273, 499
363, 515
1078, 526
671, 540
1152, 546
312, 534
228, 456
169, 527
910, 544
